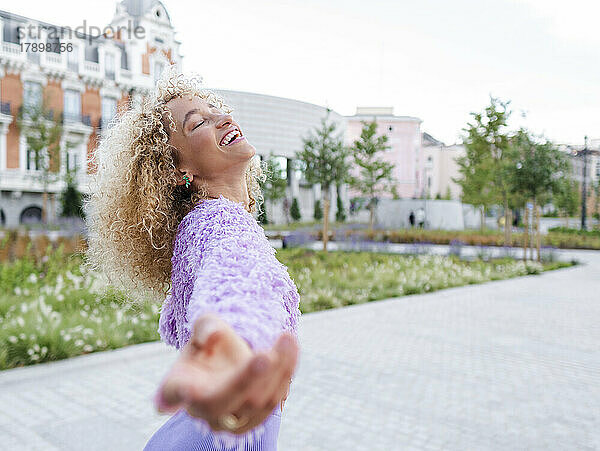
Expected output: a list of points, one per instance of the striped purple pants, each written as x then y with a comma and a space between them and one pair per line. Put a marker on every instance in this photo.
180, 433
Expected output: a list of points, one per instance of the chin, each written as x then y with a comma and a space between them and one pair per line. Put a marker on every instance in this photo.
249, 149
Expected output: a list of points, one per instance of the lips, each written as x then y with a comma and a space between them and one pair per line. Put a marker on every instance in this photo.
233, 135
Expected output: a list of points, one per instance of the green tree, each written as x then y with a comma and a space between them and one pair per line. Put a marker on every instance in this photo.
325, 161
486, 166
448, 195
71, 198
374, 173
318, 211
340, 213
538, 171
295, 210
566, 199
42, 129
274, 185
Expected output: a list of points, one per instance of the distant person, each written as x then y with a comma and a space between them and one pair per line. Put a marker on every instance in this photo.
411, 219
420, 217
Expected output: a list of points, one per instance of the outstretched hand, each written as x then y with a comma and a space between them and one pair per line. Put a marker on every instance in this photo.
217, 373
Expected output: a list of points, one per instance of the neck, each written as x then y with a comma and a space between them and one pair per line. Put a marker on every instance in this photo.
231, 186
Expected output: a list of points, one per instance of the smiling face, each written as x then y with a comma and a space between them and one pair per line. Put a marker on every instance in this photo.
211, 145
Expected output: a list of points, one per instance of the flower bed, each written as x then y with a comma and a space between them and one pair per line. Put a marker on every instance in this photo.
50, 309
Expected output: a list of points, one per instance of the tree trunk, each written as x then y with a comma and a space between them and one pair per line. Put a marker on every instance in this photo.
482, 224
371, 215
507, 225
537, 232
53, 208
526, 233
44, 206
325, 220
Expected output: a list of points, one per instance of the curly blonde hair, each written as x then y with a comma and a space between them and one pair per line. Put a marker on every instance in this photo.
135, 205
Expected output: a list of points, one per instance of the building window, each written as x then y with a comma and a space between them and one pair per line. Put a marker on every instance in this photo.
91, 53
72, 160
10, 32
32, 96
54, 42
158, 68
124, 60
72, 105
109, 66
109, 110
598, 169
73, 59
34, 161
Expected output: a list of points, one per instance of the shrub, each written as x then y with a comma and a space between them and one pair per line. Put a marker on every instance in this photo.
318, 213
295, 210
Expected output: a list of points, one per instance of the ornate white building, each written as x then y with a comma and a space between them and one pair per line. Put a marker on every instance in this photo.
85, 76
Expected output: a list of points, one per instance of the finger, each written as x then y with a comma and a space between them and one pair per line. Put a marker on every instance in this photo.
170, 395
205, 344
266, 392
206, 331
258, 418
218, 401
286, 353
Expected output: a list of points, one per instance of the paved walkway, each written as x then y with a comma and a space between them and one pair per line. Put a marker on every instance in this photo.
508, 365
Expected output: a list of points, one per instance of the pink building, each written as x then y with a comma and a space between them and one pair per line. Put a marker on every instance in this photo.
404, 138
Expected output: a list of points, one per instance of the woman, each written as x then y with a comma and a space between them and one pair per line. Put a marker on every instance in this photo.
171, 213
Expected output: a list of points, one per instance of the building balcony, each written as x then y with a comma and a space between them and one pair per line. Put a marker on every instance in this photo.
28, 180
69, 118
11, 53
90, 71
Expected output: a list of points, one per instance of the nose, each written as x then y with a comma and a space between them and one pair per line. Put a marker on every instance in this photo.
224, 120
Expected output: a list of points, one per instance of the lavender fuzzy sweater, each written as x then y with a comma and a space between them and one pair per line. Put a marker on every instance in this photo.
223, 263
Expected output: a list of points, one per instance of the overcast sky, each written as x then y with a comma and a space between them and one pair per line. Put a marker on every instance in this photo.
437, 60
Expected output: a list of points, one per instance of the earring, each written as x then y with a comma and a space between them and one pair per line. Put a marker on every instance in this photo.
187, 181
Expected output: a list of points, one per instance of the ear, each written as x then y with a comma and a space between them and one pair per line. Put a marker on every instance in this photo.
180, 173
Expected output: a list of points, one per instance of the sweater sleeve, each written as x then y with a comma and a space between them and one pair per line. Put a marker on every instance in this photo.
235, 275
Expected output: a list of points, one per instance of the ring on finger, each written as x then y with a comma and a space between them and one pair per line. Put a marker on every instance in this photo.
232, 423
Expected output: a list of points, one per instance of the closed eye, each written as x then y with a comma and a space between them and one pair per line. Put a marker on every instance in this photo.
198, 125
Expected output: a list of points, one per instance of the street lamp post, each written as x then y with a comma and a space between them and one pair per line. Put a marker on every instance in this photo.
584, 187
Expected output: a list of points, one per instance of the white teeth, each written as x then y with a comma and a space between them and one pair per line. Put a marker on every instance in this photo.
229, 137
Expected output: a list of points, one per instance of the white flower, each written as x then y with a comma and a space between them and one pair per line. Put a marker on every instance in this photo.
12, 339
129, 334
20, 321
79, 342
88, 348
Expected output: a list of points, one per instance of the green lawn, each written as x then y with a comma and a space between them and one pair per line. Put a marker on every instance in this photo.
51, 310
